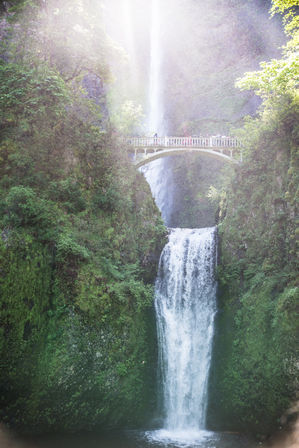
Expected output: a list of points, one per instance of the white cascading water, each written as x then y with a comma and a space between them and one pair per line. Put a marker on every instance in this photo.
185, 297
162, 186
156, 173
185, 303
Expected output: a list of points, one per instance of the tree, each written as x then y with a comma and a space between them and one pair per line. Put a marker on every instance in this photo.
129, 119
68, 35
279, 77
289, 9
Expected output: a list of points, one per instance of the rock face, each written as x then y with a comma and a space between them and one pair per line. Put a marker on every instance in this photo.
79, 250
255, 370
92, 88
96, 91
75, 342
95, 88
191, 178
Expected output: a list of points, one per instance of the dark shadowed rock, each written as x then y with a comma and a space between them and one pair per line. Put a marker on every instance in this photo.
96, 91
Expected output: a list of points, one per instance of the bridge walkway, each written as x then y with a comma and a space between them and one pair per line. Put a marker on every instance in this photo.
147, 149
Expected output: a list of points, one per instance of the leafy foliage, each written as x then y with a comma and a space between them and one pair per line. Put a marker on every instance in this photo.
129, 119
289, 9
79, 235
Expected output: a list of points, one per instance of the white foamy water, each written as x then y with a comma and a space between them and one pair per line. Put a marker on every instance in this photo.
185, 302
183, 439
160, 180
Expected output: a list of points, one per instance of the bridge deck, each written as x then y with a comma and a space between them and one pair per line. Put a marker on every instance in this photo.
150, 148
175, 142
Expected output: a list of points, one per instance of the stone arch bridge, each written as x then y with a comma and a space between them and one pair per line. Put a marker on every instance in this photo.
147, 149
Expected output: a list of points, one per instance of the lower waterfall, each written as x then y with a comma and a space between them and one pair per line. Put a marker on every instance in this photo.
185, 302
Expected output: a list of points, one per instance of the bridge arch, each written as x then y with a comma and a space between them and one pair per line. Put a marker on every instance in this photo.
142, 159
147, 149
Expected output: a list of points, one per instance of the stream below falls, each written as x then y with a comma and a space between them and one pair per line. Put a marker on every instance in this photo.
139, 439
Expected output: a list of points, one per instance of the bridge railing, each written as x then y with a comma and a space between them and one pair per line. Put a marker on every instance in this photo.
193, 142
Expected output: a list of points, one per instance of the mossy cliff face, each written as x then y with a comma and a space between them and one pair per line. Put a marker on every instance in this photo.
80, 239
76, 317
254, 368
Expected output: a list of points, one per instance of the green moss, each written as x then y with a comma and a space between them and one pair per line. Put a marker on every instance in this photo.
254, 368
79, 248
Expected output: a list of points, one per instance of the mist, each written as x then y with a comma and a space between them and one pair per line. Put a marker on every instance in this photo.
205, 47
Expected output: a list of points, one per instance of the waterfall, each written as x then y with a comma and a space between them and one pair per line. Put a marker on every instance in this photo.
155, 120
185, 296
185, 302
160, 179
157, 173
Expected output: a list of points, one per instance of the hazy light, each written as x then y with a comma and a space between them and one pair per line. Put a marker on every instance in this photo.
155, 92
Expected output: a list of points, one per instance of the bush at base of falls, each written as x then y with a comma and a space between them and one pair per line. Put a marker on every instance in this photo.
255, 366
80, 238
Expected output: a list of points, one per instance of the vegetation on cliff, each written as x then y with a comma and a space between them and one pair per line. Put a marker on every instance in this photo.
80, 235
255, 373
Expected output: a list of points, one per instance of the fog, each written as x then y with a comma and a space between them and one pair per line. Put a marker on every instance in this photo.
205, 47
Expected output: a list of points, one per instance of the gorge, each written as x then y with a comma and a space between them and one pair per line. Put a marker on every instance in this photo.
101, 343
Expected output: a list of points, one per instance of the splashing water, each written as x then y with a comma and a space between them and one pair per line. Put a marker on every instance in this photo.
185, 303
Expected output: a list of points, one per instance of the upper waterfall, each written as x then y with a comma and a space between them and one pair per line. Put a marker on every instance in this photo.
156, 173
155, 118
